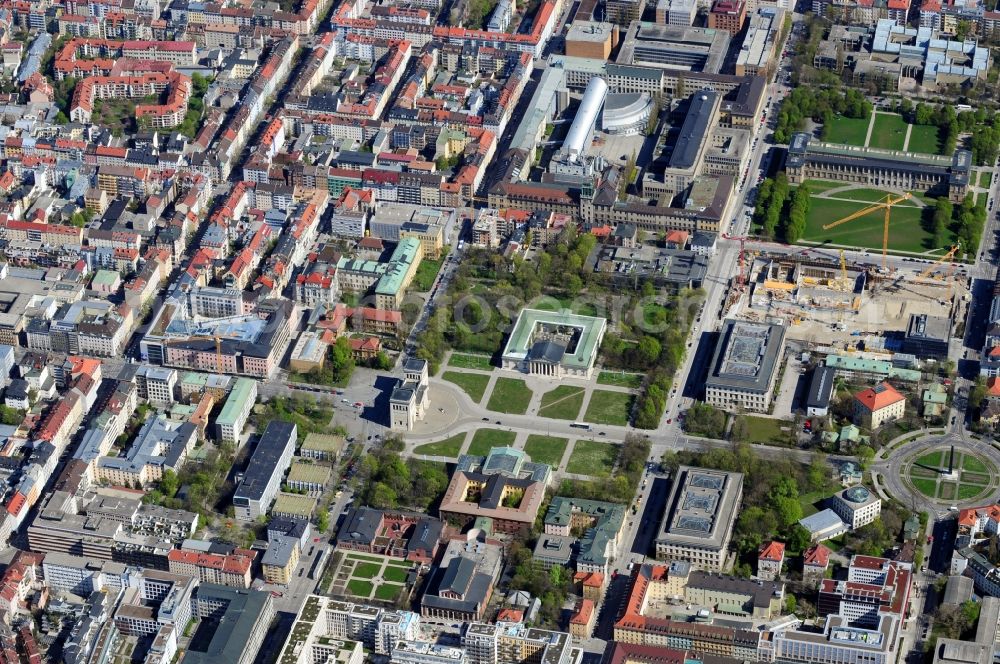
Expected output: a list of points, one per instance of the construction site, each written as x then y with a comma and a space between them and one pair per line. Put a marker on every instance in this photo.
823, 299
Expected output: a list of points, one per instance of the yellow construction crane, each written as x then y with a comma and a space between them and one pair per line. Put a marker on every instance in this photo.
884, 204
218, 347
947, 257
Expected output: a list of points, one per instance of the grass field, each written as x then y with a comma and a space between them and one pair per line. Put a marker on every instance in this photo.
819, 186
466, 361
811, 502
609, 407
358, 556
449, 447
395, 574
592, 458
924, 486
966, 491
546, 449
426, 273
366, 570
360, 587
946, 491
388, 591
849, 131
889, 132
765, 430
562, 403
510, 395
931, 459
973, 464
472, 384
906, 233
924, 139
484, 439
619, 379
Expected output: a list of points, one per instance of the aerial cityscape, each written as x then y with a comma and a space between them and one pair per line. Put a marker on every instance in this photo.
499, 332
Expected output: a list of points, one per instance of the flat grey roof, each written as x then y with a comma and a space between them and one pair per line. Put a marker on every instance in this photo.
701, 507
694, 130
746, 356
277, 437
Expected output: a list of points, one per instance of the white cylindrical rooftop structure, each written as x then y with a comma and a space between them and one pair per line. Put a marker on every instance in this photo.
578, 138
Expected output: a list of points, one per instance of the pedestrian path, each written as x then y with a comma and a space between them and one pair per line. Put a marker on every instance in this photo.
871, 127
906, 141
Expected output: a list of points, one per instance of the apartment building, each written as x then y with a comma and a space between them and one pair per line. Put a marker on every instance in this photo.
263, 475
236, 410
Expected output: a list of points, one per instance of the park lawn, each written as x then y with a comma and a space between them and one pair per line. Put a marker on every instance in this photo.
889, 132
931, 459
609, 407
975, 478
973, 464
947, 490
811, 502
917, 471
388, 591
360, 588
358, 556
925, 486
472, 384
924, 139
765, 430
449, 447
590, 457
967, 491
427, 272
620, 379
470, 361
848, 131
484, 439
510, 395
546, 449
395, 574
366, 570
984, 178
906, 232
819, 186
562, 403
552, 303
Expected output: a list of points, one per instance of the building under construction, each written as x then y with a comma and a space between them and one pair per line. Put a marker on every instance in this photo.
802, 286
823, 299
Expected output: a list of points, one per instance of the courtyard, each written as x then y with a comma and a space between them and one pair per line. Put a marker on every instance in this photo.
366, 577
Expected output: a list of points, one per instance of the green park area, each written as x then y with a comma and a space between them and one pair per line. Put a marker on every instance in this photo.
562, 403
485, 439
928, 474
620, 379
510, 395
592, 458
449, 447
546, 449
907, 230
889, 132
847, 131
473, 384
925, 139
470, 361
608, 407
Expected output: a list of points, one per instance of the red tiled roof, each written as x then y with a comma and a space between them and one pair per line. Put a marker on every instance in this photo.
774, 551
879, 397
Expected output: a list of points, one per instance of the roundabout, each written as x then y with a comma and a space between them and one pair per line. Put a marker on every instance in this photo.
942, 471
